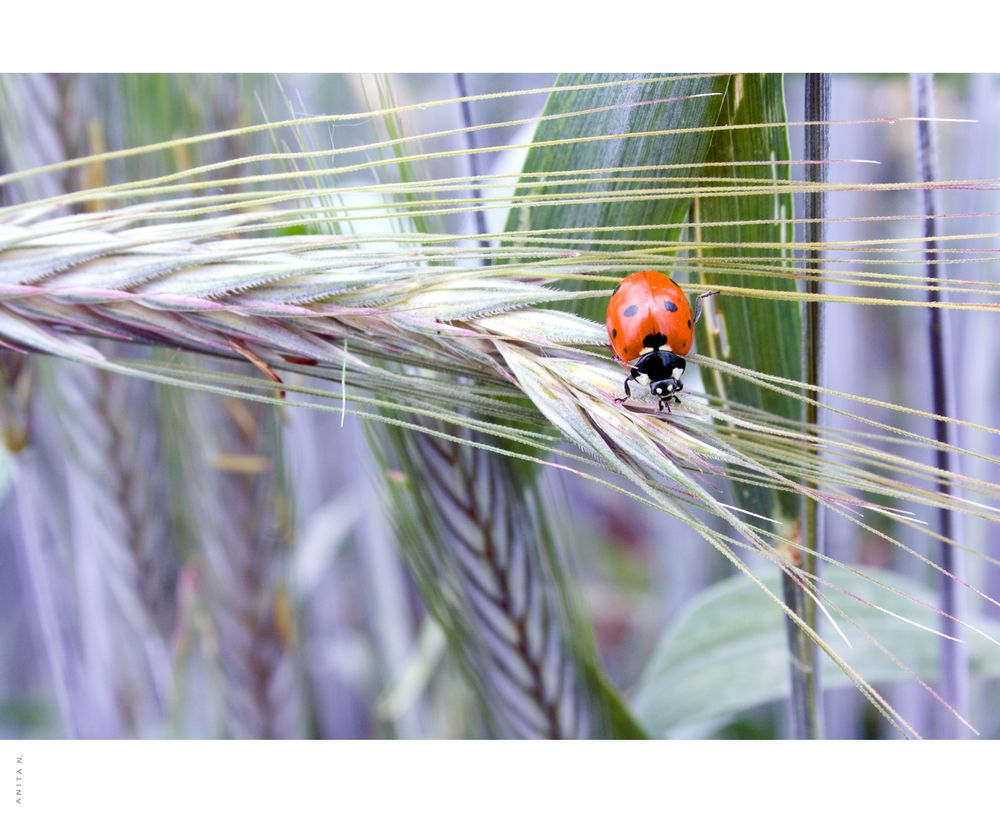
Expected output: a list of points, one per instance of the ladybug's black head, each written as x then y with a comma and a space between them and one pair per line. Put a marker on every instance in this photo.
666, 387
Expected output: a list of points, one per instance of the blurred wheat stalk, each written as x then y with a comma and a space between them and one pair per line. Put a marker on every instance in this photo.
458, 350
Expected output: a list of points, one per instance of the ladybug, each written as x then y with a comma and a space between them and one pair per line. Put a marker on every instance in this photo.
651, 327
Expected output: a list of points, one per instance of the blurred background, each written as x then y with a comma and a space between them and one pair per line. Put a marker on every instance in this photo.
174, 564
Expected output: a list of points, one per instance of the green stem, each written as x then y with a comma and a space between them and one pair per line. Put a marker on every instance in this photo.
807, 706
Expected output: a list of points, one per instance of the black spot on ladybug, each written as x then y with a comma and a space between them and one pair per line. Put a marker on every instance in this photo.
654, 340
690, 323
631, 310
617, 289
614, 333
670, 306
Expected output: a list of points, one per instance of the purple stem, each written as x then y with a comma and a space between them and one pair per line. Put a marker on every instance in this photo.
471, 143
954, 655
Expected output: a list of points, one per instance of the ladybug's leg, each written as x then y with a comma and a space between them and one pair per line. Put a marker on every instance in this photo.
665, 402
628, 393
697, 303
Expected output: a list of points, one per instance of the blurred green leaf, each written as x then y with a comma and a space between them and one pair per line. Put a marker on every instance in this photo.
727, 651
26, 714
644, 107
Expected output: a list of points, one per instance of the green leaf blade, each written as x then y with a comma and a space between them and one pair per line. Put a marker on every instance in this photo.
760, 334
675, 103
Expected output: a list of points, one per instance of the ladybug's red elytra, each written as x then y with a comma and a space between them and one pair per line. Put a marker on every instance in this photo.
651, 324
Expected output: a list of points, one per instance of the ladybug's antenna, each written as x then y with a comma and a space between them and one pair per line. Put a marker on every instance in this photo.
697, 303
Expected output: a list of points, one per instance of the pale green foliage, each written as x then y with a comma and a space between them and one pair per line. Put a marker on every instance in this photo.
731, 629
